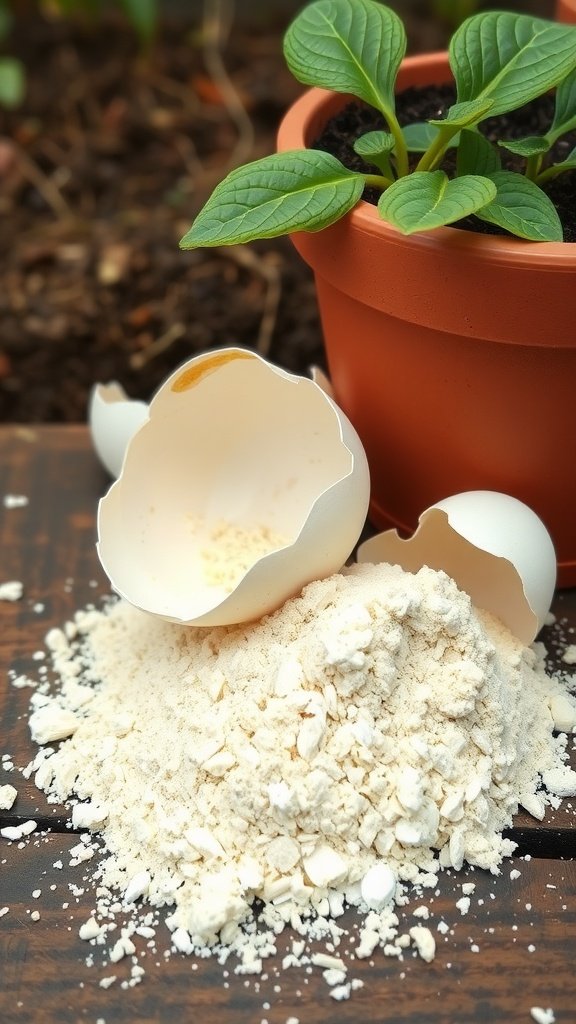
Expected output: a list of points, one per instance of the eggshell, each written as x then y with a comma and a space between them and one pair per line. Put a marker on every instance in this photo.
113, 419
232, 440
320, 378
495, 548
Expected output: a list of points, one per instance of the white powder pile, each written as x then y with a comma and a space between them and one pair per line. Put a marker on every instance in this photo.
316, 757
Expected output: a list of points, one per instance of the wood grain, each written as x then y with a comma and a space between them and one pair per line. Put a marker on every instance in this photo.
44, 979
43, 963
49, 545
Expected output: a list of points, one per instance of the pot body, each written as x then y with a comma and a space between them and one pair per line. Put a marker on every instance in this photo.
453, 353
566, 10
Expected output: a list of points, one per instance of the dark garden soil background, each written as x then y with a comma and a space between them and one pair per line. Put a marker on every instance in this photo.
102, 170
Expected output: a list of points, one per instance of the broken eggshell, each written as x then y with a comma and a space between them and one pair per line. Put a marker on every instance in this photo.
113, 419
495, 548
320, 378
244, 484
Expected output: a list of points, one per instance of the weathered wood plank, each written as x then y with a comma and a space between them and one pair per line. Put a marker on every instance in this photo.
48, 545
485, 968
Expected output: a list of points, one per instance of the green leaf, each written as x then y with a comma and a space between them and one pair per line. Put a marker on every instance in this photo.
464, 115
299, 190
531, 145
510, 58
476, 155
522, 208
564, 109
569, 163
350, 47
374, 144
419, 135
428, 199
376, 147
12, 82
143, 15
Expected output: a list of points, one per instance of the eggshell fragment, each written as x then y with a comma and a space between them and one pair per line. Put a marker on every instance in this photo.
320, 378
378, 886
563, 711
244, 484
325, 866
113, 420
495, 548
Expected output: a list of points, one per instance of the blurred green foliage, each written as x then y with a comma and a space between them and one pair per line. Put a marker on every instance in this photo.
12, 77
142, 15
453, 12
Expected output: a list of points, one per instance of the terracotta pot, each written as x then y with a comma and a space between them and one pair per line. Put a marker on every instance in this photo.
453, 353
566, 10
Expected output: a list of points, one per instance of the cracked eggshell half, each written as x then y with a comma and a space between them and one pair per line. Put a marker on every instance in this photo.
320, 378
244, 484
113, 419
495, 548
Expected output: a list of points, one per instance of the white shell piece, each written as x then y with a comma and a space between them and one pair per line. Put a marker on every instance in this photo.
113, 420
378, 886
495, 548
233, 444
325, 866
320, 378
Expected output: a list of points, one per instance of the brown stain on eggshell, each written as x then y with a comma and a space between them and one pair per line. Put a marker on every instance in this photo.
194, 374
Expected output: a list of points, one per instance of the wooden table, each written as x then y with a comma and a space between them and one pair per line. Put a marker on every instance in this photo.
514, 950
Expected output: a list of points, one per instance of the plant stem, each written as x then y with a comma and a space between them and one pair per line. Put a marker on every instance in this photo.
433, 155
550, 173
377, 181
533, 165
400, 148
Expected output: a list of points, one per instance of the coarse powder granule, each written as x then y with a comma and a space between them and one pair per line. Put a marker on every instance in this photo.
376, 720
231, 550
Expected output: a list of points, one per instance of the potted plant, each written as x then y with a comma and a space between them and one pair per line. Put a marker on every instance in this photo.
566, 10
453, 352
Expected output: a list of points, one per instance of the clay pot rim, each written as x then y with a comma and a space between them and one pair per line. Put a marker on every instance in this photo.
315, 105
565, 7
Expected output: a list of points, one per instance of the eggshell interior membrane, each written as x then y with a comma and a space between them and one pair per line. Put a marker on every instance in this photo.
231, 439
113, 419
495, 548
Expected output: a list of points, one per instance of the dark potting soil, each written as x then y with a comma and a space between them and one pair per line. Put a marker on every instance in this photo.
102, 170
413, 105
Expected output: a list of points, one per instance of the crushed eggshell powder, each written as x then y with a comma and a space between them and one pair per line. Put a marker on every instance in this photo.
232, 549
371, 732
